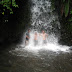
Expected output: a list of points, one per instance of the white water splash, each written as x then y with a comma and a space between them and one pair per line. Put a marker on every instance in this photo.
51, 45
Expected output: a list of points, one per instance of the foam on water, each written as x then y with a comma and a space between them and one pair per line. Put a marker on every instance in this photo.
49, 47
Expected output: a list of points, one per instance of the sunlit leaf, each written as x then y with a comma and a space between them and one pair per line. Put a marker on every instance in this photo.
11, 12
3, 13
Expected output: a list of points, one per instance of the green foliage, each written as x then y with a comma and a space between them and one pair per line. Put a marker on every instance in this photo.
14, 3
8, 4
71, 12
3, 13
66, 11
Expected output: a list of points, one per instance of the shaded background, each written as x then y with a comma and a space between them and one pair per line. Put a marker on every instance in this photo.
13, 25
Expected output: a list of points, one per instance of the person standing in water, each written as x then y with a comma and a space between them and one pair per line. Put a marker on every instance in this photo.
44, 36
35, 38
27, 37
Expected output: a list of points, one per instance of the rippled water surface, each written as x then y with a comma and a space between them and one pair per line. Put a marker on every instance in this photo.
19, 59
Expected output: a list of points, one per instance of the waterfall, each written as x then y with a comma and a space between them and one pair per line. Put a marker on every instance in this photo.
43, 17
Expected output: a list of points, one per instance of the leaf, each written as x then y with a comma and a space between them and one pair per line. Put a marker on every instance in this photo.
11, 12
71, 12
7, 4
66, 8
3, 13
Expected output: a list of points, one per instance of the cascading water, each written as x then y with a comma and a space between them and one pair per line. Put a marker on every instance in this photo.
44, 18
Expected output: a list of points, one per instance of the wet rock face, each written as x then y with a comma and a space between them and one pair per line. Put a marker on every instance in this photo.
65, 30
